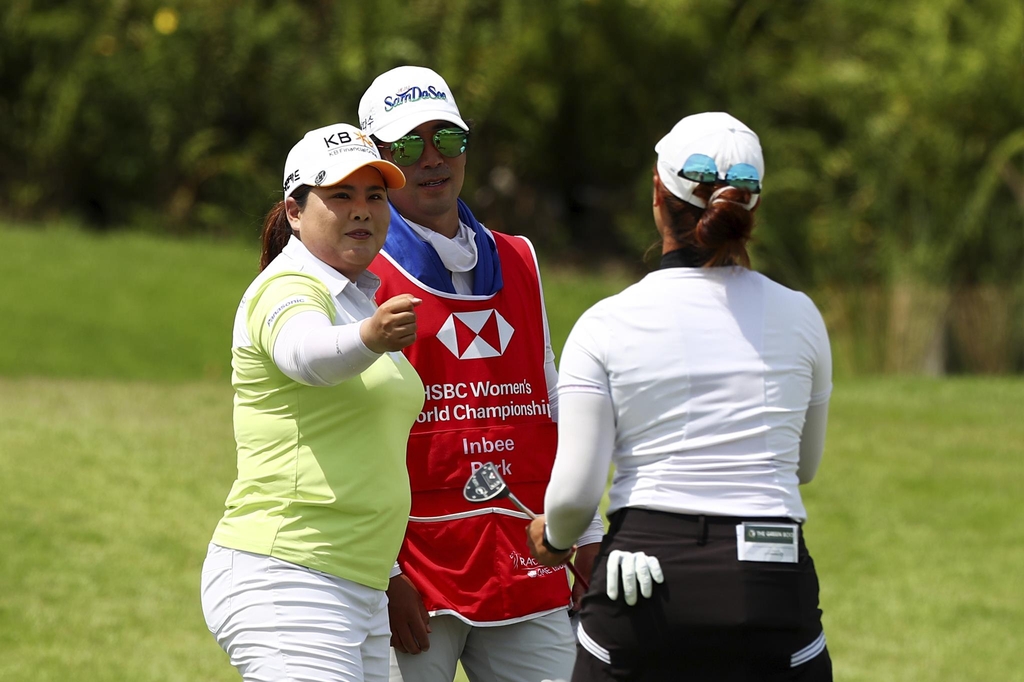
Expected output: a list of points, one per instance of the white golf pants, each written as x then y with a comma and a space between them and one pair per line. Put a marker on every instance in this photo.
533, 650
280, 622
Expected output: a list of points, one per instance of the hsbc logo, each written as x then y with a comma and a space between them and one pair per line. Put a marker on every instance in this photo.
478, 334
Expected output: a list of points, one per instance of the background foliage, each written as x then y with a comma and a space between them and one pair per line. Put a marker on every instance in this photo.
892, 132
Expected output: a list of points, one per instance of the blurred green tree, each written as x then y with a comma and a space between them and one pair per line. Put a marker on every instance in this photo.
892, 131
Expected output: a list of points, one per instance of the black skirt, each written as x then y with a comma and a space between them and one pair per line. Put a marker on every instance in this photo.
714, 617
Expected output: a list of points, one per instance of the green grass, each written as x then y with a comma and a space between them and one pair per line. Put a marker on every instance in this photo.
112, 489
130, 306
136, 306
916, 527
116, 453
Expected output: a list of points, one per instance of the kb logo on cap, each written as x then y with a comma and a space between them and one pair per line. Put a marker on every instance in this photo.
342, 138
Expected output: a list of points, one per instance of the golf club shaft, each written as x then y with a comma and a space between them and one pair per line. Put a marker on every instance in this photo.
522, 507
526, 510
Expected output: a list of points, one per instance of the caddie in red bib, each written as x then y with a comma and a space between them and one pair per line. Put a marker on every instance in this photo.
468, 589
481, 360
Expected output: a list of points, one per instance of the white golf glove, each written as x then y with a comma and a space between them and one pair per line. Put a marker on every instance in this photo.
636, 567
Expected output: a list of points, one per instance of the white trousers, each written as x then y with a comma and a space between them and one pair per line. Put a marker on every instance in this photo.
280, 622
534, 650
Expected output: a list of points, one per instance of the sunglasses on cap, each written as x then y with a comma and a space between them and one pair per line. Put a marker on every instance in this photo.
701, 168
407, 150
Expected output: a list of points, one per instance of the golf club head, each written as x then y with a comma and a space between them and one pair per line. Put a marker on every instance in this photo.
485, 484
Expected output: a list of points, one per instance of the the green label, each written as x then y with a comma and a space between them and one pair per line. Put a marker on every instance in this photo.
782, 536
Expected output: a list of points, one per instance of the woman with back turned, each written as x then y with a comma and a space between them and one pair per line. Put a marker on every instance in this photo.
707, 385
294, 579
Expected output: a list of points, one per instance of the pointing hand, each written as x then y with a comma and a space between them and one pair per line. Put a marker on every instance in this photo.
393, 325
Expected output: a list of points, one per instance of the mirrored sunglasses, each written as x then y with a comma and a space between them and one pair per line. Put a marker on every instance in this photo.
450, 142
701, 168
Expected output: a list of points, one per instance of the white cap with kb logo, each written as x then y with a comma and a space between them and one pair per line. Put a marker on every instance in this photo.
328, 155
404, 97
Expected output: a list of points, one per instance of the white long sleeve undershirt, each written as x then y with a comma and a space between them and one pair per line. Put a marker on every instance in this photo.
311, 350
812, 442
586, 437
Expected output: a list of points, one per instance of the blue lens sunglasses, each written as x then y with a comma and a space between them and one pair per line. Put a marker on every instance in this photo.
702, 168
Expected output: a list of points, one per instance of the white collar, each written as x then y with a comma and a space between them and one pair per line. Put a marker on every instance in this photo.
367, 282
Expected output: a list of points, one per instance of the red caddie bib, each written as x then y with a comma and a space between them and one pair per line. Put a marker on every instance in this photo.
481, 359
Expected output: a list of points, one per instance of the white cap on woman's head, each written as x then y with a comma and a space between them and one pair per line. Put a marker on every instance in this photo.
328, 155
716, 134
404, 97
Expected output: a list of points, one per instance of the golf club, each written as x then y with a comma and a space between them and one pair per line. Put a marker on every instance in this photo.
486, 484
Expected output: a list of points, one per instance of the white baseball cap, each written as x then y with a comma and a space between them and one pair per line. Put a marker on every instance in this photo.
328, 155
715, 134
404, 97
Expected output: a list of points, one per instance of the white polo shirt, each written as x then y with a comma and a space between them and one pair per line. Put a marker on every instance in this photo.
710, 372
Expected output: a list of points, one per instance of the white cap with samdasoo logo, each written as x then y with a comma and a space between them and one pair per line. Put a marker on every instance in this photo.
328, 155
404, 97
716, 134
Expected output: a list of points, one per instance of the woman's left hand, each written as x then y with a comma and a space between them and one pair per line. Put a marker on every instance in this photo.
535, 541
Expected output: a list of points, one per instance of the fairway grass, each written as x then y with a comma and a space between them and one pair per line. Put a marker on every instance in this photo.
112, 490
917, 530
120, 305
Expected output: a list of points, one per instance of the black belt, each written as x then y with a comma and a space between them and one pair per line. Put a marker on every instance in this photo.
702, 520
712, 518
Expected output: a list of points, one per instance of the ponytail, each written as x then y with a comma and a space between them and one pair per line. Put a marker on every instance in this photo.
725, 227
276, 228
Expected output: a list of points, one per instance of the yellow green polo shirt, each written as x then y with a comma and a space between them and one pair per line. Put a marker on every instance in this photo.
322, 480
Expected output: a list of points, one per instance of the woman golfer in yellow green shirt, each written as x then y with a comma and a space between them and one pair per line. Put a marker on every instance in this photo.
293, 584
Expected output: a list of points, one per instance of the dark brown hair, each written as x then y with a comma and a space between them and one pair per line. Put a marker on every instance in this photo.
276, 229
722, 229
